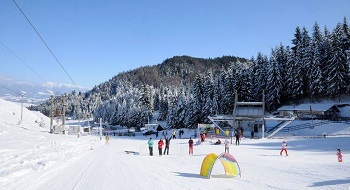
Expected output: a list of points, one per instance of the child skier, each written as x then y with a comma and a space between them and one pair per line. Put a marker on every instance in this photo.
284, 148
107, 139
227, 146
340, 155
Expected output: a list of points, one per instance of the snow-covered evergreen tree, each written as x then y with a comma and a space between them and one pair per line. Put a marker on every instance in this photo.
282, 59
259, 75
198, 96
163, 105
208, 97
145, 103
315, 75
229, 90
274, 83
295, 68
338, 69
305, 58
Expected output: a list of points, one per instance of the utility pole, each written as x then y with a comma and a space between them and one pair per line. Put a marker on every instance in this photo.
51, 114
64, 111
263, 119
100, 129
23, 94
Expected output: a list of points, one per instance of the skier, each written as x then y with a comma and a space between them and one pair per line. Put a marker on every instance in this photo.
252, 134
237, 137
284, 148
174, 134
340, 155
227, 146
107, 139
190, 146
160, 146
150, 146
167, 144
199, 142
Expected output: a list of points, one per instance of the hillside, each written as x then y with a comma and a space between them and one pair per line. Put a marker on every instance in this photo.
165, 79
177, 71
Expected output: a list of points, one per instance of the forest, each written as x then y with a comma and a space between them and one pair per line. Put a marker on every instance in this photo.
185, 90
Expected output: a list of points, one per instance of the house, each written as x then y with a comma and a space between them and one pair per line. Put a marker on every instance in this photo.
314, 110
152, 127
74, 129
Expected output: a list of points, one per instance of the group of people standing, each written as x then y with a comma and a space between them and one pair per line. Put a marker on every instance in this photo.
160, 146
167, 145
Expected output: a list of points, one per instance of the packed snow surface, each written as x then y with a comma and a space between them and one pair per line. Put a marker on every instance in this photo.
31, 158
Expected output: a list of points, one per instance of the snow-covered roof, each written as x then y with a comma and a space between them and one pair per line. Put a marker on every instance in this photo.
344, 111
313, 106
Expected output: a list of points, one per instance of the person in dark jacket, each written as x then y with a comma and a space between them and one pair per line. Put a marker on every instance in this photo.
150, 146
237, 138
190, 146
167, 144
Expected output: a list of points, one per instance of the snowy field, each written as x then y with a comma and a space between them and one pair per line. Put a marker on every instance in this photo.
31, 158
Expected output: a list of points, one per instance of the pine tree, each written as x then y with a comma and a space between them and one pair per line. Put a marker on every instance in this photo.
295, 68
145, 103
198, 100
316, 72
274, 83
229, 90
345, 38
208, 97
338, 69
259, 75
282, 59
305, 58
163, 105
325, 52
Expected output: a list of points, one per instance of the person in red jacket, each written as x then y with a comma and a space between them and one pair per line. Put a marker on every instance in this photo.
190, 146
160, 146
284, 148
340, 155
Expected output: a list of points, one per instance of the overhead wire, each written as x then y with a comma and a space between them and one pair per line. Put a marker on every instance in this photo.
46, 45
23, 62
10, 90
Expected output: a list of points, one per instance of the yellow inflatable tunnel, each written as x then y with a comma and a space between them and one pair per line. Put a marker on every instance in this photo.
230, 164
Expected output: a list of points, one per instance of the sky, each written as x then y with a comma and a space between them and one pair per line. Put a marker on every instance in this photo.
33, 159
95, 40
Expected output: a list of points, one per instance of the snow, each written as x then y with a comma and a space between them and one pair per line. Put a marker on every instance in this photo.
31, 158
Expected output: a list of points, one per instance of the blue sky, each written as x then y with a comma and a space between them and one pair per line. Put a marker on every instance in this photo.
95, 40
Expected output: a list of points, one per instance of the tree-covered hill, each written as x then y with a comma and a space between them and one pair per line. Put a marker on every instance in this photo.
186, 90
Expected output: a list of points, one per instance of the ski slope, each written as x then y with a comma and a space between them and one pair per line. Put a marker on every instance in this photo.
31, 158
311, 164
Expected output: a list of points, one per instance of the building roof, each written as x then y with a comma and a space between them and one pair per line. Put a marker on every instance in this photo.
308, 107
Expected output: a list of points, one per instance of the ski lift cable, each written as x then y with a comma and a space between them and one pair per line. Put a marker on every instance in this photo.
46, 44
23, 62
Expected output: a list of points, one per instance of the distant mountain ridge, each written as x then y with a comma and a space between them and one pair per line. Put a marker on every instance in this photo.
178, 70
35, 93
